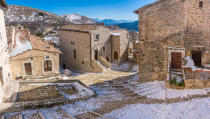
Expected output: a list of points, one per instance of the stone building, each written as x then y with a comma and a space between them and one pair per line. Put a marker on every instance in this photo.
91, 48
6, 88
119, 45
169, 31
31, 58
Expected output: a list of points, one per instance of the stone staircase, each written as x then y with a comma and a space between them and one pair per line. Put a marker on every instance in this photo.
177, 73
75, 111
105, 65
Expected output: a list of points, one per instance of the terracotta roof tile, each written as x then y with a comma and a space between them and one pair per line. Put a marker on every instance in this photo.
38, 44
82, 28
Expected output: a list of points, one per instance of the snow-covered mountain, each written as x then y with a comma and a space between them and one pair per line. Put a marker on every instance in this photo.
36, 20
31, 18
112, 21
78, 19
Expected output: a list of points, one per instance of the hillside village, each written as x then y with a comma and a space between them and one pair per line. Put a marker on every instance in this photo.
73, 67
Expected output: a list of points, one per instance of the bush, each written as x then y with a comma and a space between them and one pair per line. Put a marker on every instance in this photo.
41, 14
40, 35
173, 82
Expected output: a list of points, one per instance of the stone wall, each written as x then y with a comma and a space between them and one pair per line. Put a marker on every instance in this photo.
80, 42
37, 58
4, 59
200, 84
166, 24
156, 23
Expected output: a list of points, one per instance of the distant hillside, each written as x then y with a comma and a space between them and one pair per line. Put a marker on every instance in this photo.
112, 21
36, 20
78, 19
31, 18
129, 26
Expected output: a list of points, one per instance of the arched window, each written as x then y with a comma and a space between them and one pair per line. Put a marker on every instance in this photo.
48, 65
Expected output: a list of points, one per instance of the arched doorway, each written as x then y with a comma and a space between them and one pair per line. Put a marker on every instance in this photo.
115, 55
96, 54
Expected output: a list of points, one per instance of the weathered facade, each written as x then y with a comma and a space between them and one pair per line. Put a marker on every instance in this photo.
31, 58
119, 45
170, 30
90, 47
5, 75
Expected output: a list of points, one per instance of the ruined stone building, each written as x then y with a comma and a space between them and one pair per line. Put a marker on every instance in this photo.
92, 48
169, 31
30, 57
6, 89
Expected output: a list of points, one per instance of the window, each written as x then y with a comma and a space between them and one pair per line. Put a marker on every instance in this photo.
200, 4
28, 68
197, 58
75, 54
48, 65
83, 62
97, 36
1, 75
64, 66
104, 48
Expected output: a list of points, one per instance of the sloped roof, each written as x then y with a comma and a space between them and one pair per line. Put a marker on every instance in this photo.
34, 43
149, 5
80, 27
38, 44
3, 3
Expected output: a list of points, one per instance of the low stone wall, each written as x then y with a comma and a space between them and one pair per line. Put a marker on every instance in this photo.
200, 84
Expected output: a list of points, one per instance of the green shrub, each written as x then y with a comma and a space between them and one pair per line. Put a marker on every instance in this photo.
40, 35
41, 14
173, 82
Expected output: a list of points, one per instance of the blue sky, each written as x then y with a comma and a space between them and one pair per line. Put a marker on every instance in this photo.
113, 9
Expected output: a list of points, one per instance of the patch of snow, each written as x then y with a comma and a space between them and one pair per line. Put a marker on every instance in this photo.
157, 90
195, 109
115, 34
190, 63
121, 67
82, 91
72, 17
135, 68
21, 48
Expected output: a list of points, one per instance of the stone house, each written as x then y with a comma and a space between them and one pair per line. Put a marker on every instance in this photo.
119, 45
32, 58
6, 85
90, 47
169, 31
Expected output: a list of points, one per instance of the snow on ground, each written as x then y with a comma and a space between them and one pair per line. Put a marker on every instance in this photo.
135, 68
195, 109
157, 90
121, 67
82, 92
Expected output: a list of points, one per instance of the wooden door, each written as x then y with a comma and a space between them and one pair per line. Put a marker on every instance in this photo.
96, 54
196, 56
176, 60
28, 68
115, 55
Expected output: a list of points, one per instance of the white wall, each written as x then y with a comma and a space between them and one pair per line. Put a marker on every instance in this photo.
4, 55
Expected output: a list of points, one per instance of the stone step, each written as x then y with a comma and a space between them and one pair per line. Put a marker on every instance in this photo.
16, 116
35, 115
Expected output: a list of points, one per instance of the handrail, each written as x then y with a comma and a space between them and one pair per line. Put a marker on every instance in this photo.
103, 60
